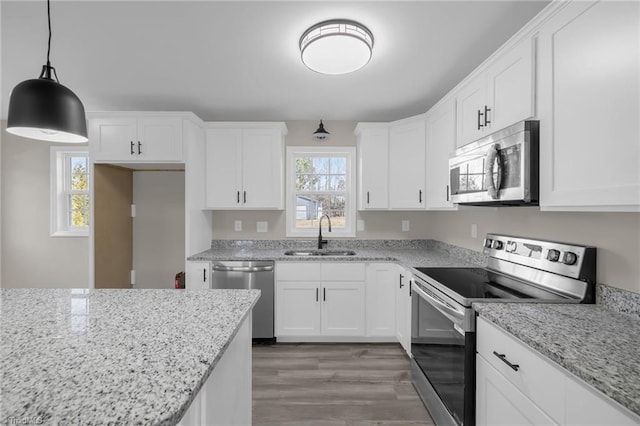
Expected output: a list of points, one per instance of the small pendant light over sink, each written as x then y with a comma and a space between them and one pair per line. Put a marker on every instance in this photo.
44, 109
321, 134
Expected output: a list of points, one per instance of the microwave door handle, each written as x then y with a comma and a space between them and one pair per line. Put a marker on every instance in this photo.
493, 157
441, 306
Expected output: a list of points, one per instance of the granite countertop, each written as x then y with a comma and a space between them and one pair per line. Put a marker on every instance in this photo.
78, 356
597, 345
409, 257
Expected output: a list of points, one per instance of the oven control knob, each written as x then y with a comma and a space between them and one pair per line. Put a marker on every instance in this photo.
553, 255
497, 245
570, 258
511, 246
488, 242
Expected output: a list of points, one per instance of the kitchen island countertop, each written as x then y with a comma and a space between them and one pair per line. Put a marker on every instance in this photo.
597, 345
79, 356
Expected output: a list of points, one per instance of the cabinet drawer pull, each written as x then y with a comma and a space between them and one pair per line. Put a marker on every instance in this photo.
480, 114
487, 110
132, 151
503, 358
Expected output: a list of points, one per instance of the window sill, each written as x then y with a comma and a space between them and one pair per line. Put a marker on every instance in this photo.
72, 234
325, 235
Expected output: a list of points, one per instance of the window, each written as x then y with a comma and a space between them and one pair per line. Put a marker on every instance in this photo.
69, 192
320, 181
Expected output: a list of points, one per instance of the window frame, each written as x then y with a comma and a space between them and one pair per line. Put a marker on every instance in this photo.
349, 152
60, 173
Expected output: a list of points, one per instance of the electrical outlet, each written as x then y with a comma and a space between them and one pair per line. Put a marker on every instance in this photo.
405, 226
360, 225
474, 230
262, 226
237, 225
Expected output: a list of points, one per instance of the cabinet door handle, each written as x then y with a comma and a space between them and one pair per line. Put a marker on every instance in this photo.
480, 114
238, 198
245, 197
139, 148
447, 192
324, 294
503, 358
420, 196
316, 294
410, 289
487, 110
204, 275
132, 151
401, 277
367, 197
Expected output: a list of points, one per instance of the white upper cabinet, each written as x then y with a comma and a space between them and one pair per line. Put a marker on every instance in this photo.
441, 143
589, 104
373, 166
501, 94
407, 165
135, 138
245, 167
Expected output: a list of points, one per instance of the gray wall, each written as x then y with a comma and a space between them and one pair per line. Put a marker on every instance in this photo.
30, 256
158, 228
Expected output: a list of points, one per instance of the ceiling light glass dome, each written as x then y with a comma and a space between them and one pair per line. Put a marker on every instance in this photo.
337, 46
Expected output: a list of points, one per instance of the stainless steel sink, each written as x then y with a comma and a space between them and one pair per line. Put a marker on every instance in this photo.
319, 253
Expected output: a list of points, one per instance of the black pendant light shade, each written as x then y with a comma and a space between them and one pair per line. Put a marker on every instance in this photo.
321, 133
44, 109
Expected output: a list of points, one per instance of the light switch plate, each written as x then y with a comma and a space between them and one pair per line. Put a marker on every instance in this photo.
262, 226
360, 225
237, 225
405, 226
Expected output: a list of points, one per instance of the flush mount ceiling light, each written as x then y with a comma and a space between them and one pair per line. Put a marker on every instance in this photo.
321, 134
337, 46
44, 109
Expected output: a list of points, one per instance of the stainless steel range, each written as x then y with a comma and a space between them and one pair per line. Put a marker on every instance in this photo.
443, 321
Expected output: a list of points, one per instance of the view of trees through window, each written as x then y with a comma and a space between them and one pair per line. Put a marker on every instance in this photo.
320, 188
78, 192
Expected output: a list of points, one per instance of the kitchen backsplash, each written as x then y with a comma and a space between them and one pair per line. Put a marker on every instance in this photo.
617, 300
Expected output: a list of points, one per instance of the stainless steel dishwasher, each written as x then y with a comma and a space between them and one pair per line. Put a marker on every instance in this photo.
250, 275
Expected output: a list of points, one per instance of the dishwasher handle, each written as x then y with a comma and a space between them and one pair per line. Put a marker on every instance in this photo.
242, 268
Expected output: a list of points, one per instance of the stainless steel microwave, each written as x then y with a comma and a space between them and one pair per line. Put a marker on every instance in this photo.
498, 170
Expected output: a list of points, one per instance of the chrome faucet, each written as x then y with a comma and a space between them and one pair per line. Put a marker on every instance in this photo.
322, 242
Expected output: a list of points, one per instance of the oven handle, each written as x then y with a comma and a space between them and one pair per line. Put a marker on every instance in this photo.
440, 305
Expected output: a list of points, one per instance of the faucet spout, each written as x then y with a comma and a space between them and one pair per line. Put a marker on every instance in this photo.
322, 242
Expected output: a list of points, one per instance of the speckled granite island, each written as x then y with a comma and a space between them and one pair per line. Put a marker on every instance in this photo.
93, 357
597, 345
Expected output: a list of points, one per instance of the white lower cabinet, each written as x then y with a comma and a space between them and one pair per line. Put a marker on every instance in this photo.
225, 397
403, 309
517, 385
381, 282
315, 299
198, 275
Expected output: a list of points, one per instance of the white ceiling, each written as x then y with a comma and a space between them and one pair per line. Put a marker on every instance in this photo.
239, 60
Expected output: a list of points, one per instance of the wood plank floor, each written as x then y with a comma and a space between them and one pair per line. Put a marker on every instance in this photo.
334, 384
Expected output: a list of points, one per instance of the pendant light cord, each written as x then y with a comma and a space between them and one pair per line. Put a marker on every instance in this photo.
48, 70
49, 20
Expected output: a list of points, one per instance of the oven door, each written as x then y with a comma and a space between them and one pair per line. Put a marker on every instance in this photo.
443, 356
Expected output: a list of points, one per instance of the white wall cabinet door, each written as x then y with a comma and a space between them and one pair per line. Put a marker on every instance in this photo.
407, 169
135, 139
342, 312
373, 167
588, 105
511, 87
262, 169
498, 402
298, 308
198, 275
223, 168
470, 103
380, 288
441, 143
